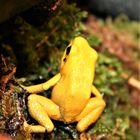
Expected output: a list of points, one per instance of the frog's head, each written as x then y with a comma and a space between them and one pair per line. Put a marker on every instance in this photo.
78, 50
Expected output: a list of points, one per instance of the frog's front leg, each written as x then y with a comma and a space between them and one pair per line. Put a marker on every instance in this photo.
91, 113
42, 109
44, 86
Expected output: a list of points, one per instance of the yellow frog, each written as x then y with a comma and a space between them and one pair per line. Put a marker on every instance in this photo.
71, 99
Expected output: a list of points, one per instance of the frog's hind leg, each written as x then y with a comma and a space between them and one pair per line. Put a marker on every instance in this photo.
42, 109
91, 113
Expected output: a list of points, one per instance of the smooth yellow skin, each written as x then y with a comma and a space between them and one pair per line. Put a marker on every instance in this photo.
71, 99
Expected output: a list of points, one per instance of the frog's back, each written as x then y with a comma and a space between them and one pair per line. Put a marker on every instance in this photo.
73, 90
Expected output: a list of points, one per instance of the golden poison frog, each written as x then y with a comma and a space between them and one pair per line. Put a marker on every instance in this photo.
71, 99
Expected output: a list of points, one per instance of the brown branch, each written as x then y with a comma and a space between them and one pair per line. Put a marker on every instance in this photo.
134, 82
56, 5
46, 37
4, 79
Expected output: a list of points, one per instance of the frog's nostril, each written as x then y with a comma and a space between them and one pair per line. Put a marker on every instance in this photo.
64, 59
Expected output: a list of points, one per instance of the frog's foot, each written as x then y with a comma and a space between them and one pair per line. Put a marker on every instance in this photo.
33, 128
91, 113
42, 109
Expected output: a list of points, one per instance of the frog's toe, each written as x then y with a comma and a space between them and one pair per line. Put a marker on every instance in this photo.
33, 128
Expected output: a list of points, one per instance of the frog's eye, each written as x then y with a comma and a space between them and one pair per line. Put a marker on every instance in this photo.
67, 53
68, 50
